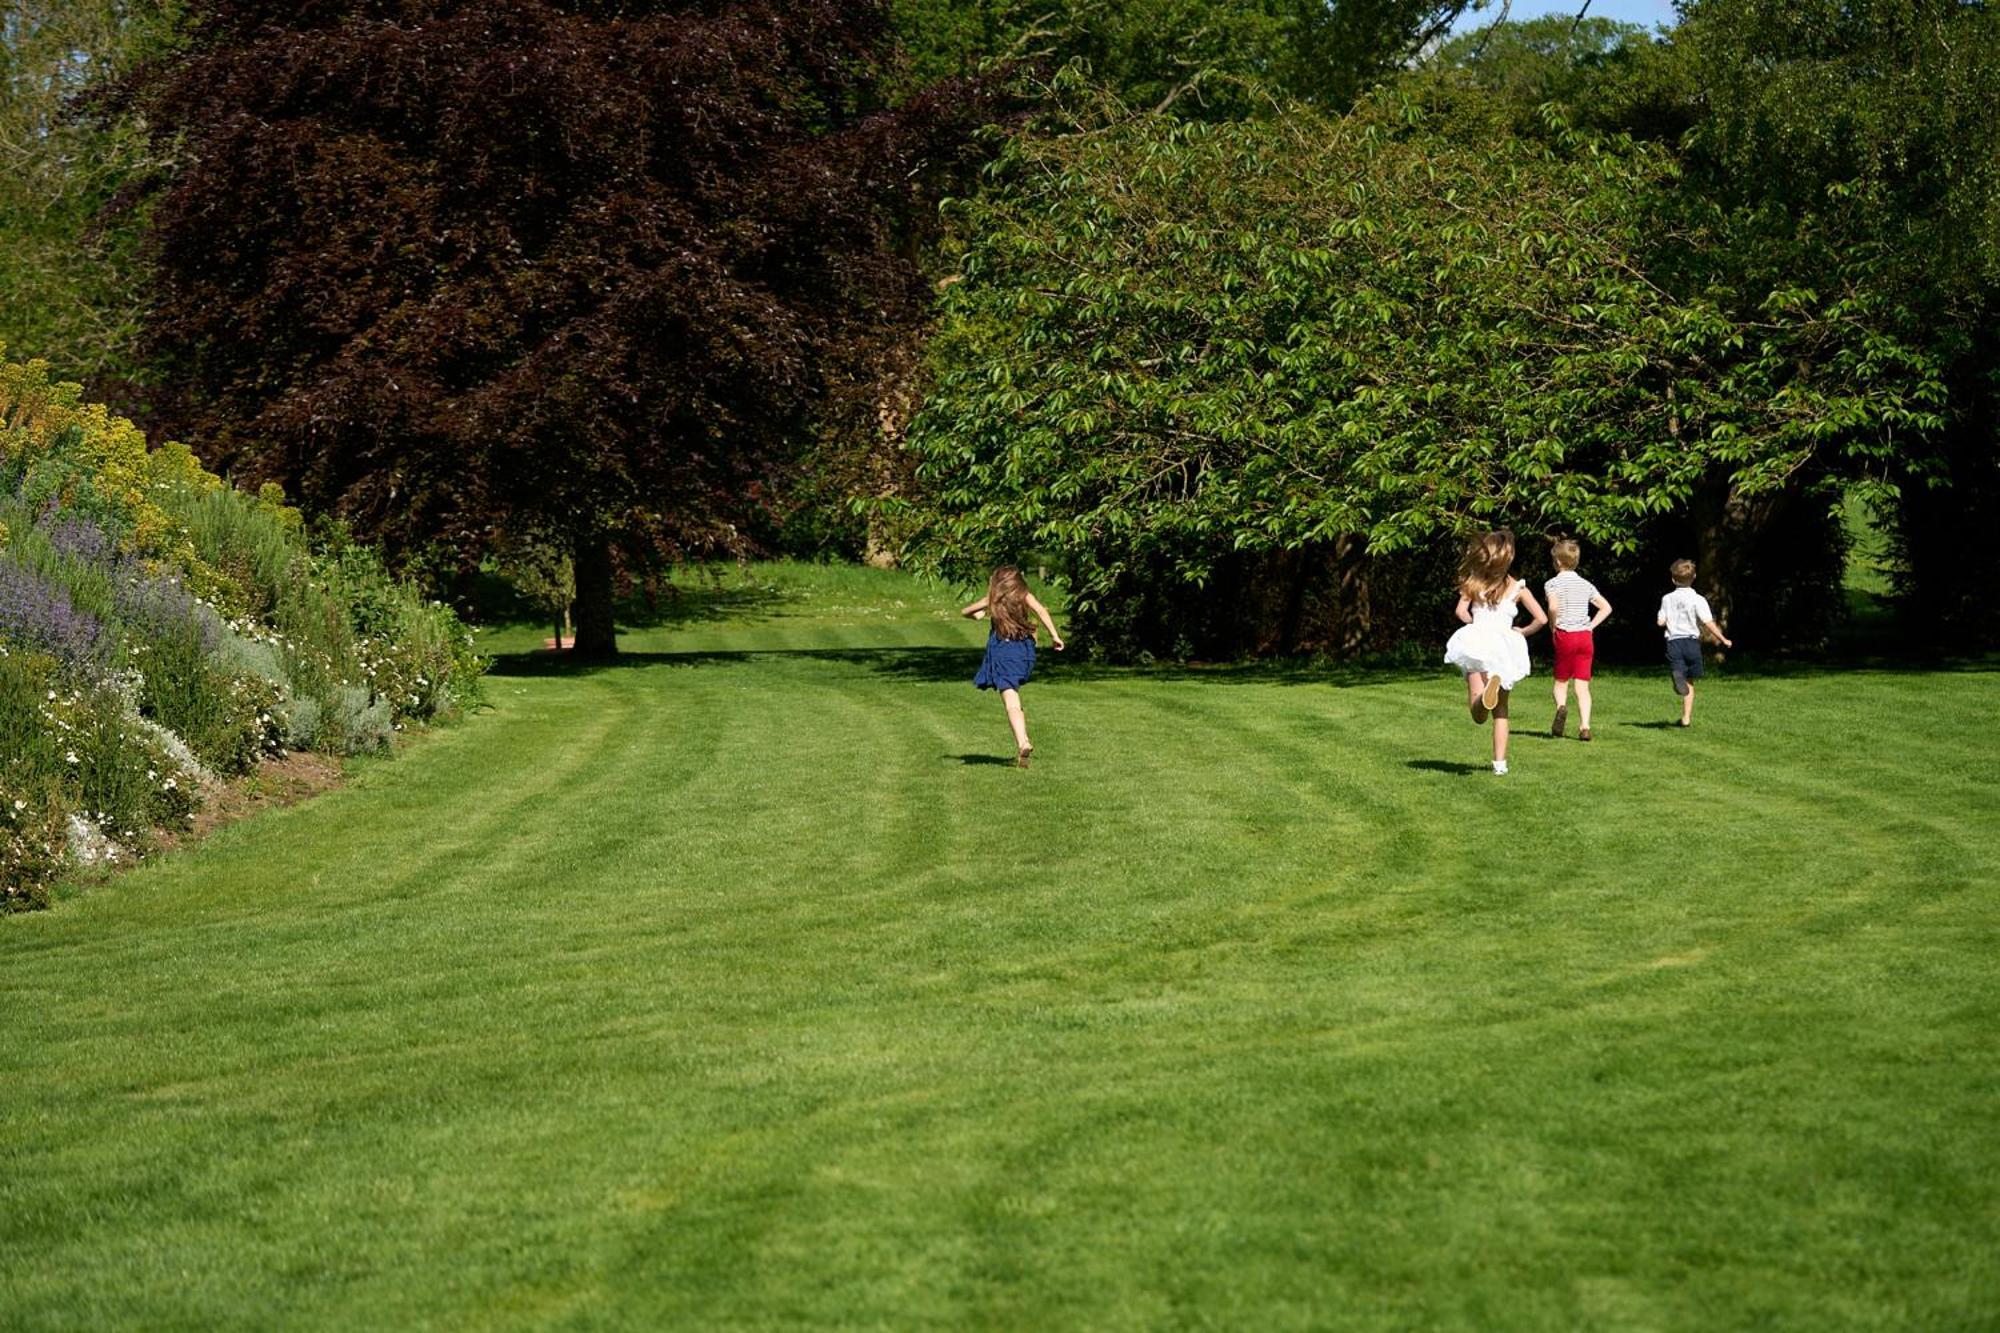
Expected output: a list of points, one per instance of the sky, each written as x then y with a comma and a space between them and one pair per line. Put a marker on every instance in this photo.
1647, 12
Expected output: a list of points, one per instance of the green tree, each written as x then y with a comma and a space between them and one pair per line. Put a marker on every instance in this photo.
1180, 345
1204, 59
534, 273
1610, 76
1859, 145
70, 281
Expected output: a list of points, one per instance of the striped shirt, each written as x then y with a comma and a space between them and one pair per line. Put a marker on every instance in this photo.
1569, 596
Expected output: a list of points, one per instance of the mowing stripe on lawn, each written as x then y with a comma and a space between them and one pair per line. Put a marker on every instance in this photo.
748, 984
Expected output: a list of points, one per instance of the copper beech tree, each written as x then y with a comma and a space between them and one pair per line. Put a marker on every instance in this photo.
478, 273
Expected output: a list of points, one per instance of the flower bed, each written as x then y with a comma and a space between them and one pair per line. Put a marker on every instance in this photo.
161, 632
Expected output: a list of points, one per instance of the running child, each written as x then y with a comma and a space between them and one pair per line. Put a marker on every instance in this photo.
1685, 616
1572, 601
1010, 647
1487, 648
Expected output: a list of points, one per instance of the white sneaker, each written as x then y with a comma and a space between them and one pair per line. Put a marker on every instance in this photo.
1499, 768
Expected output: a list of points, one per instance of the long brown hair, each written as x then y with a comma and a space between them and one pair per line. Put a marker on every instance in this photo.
1007, 603
1482, 573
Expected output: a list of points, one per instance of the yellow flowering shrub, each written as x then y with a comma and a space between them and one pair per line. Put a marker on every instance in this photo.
51, 440
161, 630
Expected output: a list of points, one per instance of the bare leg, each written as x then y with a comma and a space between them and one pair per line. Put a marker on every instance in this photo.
1475, 685
1562, 692
1018, 720
1583, 701
1687, 706
1500, 729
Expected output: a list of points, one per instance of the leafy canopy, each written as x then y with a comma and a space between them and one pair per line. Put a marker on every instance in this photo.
1858, 144
69, 284
460, 271
1204, 59
1180, 340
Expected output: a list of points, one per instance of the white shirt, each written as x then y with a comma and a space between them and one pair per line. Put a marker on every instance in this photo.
1569, 595
1684, 611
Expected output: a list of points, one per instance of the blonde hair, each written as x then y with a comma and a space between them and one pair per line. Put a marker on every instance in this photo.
1565, 552
1682, 572
1007, 603
1482, 572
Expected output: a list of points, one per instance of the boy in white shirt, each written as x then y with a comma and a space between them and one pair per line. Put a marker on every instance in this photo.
1577, 609
1685, 616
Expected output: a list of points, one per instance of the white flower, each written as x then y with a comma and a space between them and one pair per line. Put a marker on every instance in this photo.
71, 756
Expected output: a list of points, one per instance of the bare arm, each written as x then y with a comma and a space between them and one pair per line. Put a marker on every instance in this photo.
1042, 614
1541, 616
1464, 612
1603, 612
1716, 630
976, 611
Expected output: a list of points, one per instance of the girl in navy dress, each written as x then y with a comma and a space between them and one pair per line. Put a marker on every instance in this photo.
1010, 648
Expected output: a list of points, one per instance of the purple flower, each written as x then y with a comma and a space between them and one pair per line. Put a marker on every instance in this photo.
35, 613
80, 540
164, 608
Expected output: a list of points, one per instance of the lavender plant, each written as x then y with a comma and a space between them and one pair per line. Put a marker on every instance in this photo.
160, 630
37, 614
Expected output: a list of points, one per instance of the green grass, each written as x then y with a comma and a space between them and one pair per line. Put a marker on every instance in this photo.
737, 986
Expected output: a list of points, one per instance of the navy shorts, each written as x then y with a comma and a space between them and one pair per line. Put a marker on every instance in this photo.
1684, 660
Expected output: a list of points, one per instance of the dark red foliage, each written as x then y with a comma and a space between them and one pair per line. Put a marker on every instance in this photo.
460, 271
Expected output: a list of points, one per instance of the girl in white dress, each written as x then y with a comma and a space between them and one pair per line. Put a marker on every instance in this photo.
1488, 649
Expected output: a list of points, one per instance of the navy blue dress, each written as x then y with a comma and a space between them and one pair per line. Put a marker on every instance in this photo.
1008, 664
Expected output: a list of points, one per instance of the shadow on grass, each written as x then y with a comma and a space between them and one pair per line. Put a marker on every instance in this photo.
923, 664
1447, 766
952, 665
938, 665
1655, 726
711, 603
982, 760
496, 604
1836, 658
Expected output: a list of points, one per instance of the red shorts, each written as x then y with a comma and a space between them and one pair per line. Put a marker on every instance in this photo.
1574, 649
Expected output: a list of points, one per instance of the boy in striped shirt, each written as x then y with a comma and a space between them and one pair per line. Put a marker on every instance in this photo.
1577, 609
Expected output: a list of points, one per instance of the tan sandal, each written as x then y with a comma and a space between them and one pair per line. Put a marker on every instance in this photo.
1490, 696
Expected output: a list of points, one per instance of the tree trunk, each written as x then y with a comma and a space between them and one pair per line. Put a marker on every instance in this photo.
1353, 606
1303, 565
596, 630
878, 553
1723, 528
895, 400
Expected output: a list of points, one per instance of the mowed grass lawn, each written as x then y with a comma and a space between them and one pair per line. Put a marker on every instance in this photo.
740, 986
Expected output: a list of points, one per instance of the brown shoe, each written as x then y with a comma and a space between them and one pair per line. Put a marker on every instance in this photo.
1021, 759
1583, 735
1562, 719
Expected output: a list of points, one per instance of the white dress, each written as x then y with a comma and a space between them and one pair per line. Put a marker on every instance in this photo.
1489, 643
